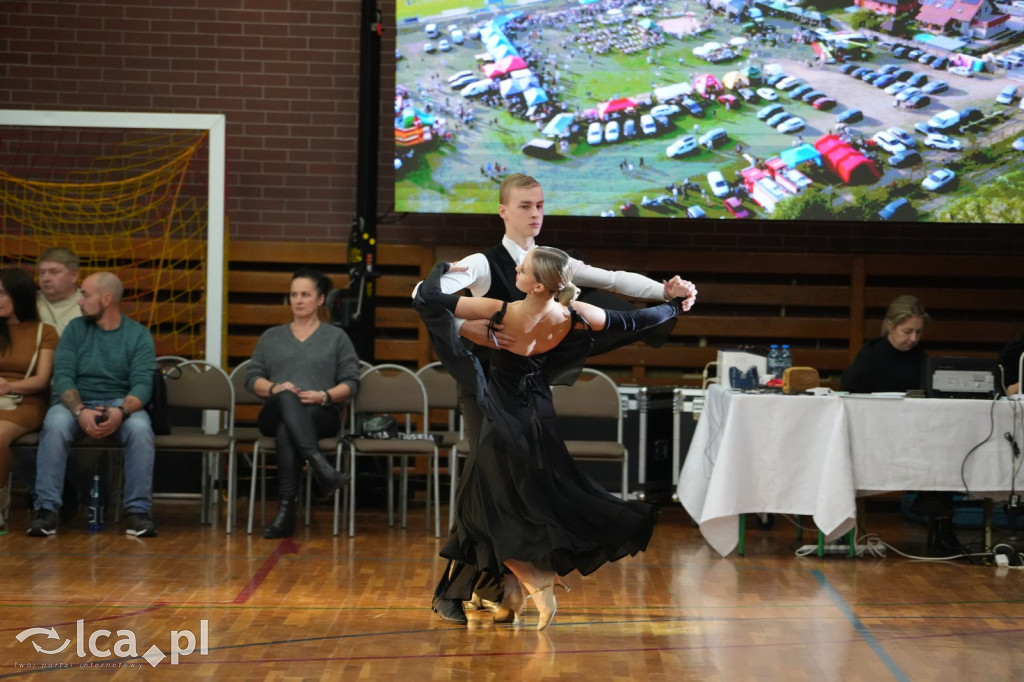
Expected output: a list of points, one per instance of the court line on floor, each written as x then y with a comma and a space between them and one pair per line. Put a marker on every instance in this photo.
286, 546
116, 616
859, 627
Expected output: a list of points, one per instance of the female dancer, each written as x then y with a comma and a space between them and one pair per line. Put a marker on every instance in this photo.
522, 504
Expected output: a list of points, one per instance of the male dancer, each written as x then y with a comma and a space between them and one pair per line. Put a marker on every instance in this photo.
492, 273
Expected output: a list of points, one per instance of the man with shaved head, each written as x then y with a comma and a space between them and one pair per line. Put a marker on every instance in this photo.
103, 374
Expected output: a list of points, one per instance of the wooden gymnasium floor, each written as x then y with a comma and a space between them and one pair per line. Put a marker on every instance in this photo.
320, 607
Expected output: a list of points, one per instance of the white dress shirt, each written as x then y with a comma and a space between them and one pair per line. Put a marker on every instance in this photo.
477, 276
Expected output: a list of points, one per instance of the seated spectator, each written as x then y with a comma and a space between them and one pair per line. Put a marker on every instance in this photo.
57, 300
57, 272
27, 346
103, 377
893, 361
305, 370
1009, 361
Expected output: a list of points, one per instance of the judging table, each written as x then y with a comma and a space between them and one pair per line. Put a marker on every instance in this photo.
814, 455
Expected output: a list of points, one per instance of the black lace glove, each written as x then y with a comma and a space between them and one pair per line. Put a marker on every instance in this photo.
430, 290
642, 318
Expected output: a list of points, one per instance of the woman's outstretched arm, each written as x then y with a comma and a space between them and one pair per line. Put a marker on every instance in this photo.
466, 307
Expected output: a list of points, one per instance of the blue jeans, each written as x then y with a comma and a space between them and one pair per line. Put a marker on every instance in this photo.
60, 429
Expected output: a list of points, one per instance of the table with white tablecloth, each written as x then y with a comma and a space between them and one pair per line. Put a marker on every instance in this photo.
814, 455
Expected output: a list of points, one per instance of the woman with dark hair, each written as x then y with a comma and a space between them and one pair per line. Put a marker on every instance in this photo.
24, 372
305, 370
523, 508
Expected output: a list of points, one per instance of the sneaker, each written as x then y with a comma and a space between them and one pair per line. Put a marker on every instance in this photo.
139, 525
44, 524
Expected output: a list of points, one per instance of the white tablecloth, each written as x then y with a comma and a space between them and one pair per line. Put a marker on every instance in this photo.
813, 455
917, 444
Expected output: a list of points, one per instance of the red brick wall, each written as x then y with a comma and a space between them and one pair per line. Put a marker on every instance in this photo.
285, 72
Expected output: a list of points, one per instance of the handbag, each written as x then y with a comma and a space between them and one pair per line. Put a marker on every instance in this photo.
157, 405
12, 400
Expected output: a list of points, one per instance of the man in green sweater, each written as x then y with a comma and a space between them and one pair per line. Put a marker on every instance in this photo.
103, 374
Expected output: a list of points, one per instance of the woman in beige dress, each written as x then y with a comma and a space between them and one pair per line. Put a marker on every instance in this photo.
21, 332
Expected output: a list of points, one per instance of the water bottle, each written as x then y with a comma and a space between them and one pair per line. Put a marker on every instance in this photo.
785, 359
95, 507
774, 358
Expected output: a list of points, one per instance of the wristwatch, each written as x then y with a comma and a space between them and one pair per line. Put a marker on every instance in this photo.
78, 412
124, 412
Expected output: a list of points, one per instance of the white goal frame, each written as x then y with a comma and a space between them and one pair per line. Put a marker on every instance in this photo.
216, 125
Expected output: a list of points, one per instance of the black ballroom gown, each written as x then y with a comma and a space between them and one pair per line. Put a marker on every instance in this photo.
522, 496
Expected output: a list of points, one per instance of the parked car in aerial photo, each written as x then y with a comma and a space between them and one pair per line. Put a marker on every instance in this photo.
611, 131
945, 120
684, 145
940, 141
715, 137
1007, 95
735, 208
764, 113
850, 116
665, 110
898, 209
719, 187
939, 180
792, 125
918, 101
888, 142
904, 159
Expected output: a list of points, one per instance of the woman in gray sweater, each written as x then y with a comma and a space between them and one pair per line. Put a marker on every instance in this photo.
305, 370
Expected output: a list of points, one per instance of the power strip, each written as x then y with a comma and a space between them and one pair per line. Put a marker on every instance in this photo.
835, 548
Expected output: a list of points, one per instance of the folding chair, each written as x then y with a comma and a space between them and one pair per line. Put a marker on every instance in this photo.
393, 390
594, 396
442, 394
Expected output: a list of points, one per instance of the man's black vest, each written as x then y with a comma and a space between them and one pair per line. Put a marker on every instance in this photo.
503, 275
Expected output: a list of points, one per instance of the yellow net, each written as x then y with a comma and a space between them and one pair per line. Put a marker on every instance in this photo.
133, 202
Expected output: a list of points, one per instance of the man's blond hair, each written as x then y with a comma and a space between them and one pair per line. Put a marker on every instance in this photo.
514, 181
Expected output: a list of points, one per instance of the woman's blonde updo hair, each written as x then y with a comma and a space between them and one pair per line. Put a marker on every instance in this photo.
553, 269
902, 309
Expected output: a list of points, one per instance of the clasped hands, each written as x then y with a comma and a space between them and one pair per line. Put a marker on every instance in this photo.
100, 422
681, 288
305, 397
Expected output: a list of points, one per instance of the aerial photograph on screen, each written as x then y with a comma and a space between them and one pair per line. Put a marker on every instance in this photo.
902, 110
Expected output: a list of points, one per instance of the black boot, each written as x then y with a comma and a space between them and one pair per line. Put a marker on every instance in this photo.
283, 525
328, 479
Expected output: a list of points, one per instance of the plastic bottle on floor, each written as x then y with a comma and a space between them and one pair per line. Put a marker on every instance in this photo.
95, 507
